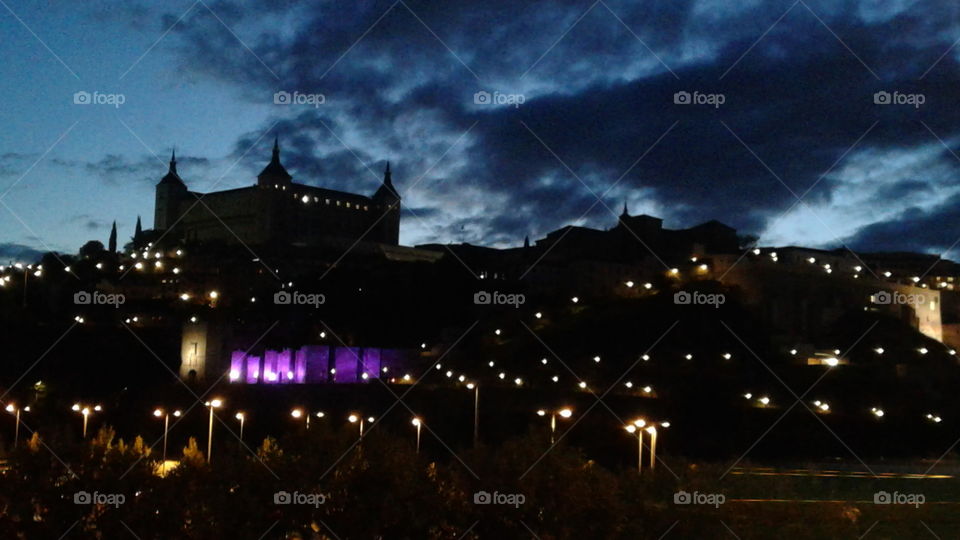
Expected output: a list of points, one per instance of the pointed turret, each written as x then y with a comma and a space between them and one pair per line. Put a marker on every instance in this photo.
625, 213
387, 193
172, 176
526, 241
274, 174
112, 242
138, 232
387, 200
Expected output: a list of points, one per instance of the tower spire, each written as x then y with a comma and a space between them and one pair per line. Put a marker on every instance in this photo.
276, 148
173, 161
625, 214
387, 177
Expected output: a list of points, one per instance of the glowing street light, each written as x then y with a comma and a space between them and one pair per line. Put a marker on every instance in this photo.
637, 427
241, 417
354, 418
166, 428
300, 413
212, 404
86, 411
653, 446
418, 423
12, 408
565, 412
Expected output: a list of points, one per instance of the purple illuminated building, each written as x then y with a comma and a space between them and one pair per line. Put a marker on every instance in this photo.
318, 364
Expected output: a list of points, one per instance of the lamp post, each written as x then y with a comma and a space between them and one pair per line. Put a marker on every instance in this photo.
565, 412
653, 446
240, 416
298, 413
637, 427
11, 408
418, 423
166, 428
354, 418
476, 412
85, 411
212, 404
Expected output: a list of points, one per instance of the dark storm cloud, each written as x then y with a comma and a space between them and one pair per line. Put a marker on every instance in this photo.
795, 102
937, 229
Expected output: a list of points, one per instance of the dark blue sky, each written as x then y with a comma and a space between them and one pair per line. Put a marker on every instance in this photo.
799, 118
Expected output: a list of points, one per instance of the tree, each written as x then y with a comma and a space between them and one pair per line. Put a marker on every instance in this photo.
92, 249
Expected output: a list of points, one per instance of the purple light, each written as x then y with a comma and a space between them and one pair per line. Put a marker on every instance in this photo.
253, 369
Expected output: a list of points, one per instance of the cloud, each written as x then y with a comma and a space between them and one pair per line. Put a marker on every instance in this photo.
798, 118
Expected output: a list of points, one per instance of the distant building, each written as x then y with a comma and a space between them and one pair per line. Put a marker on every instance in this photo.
276, 210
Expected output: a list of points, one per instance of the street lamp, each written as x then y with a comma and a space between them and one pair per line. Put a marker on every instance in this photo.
240, 416
476, 412
418, 423
298, 413
212, 404
354, 418
11, 408
166, 428
637, 427
85, 410
653, 446
565, 412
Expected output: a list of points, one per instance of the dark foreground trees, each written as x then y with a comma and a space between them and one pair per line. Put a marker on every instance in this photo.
326, 484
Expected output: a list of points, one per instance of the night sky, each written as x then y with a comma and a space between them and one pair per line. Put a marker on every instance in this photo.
598, 125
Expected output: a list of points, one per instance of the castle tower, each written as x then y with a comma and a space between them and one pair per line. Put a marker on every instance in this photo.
274, 175
387, 200
169, 193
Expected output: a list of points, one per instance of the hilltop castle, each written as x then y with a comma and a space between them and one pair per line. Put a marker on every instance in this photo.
276, 210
